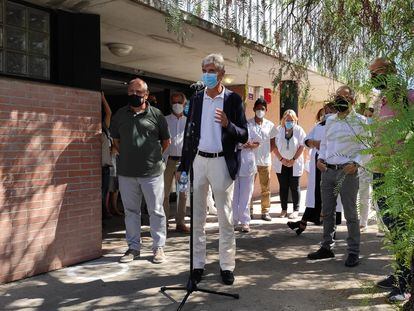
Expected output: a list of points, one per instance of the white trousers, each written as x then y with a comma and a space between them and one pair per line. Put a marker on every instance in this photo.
243, 191
214, 172
364, 194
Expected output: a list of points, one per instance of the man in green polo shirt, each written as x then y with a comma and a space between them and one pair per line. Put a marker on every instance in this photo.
140, 132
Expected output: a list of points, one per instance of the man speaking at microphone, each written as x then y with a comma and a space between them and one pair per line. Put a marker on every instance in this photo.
215, 125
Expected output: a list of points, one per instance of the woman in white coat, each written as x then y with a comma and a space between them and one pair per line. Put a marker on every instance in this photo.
288, 161
244, 183
313, 194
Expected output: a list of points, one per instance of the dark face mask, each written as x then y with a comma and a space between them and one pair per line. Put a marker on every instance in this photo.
135, 100
379, 81
341, 105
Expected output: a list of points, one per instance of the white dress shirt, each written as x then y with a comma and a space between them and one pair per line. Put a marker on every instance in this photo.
210, 132
341, 141
288, 148
262, 134
176, 126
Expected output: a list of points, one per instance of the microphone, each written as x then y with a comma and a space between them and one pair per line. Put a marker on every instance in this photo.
199, 85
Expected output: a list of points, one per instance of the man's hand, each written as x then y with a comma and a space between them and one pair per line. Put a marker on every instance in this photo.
177, 175
221, 118
316, 144
350, 169
321, 166
251, 145
285, 162
291, 162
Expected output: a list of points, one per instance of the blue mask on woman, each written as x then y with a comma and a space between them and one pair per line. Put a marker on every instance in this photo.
289, 124
210, 80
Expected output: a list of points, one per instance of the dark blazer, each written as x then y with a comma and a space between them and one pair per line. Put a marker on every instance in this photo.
236, 131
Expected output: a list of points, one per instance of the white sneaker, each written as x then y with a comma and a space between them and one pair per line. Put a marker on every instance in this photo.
212, 210
245, 228
294, 215
363, 228
159, 255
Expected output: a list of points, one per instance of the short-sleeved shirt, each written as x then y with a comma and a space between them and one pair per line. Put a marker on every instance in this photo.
140, 136
264, 132
176, 127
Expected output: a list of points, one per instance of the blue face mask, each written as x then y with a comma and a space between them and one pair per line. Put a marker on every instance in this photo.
289, 124
210, 80
369, 120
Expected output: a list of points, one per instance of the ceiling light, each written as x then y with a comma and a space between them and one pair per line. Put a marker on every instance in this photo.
120, 49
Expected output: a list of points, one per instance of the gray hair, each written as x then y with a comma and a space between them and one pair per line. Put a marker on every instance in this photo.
180, 94
216, 59
345, 89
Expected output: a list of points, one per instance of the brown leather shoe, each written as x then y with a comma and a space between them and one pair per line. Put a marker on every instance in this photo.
182, 229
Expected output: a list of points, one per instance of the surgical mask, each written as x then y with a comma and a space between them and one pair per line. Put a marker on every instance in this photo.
210, 80
177, 108
341, 104
260, 114
289, 124
369, 120
135, 100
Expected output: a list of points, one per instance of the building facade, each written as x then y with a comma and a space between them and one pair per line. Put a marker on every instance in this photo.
54, 61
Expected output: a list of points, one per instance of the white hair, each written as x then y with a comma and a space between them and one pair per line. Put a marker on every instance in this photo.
216, 59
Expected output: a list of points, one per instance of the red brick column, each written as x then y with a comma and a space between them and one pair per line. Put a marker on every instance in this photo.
50, 177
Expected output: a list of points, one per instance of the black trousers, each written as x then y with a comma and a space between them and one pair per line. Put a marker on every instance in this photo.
288, 181
104, 187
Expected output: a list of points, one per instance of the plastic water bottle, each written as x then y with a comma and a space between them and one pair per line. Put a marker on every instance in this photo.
183, 182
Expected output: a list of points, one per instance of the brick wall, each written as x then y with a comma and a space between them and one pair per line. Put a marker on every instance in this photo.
50, 205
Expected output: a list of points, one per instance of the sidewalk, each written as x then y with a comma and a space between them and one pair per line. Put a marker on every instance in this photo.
272, 273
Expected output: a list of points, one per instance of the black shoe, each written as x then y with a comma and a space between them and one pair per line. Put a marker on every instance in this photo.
321, 253
227, 276
293, 225
397, 296
197, 275
352, 260
387, 283
300, 230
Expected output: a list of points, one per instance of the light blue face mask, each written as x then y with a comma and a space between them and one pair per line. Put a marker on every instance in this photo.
210, 80
289, 124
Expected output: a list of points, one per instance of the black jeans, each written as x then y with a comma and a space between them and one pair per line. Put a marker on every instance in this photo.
288, 181
392, 223
105, 187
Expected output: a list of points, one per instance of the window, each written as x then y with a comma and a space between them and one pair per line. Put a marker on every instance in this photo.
24, 41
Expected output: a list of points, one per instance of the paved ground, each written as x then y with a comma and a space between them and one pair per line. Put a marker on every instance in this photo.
272, 273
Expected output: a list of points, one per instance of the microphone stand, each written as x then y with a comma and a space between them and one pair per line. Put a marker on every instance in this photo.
191, 284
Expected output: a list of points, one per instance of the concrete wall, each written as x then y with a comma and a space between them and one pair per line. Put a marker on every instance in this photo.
50, 177
306, 120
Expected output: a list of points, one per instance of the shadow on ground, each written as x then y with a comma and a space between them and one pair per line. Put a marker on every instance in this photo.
272, 273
